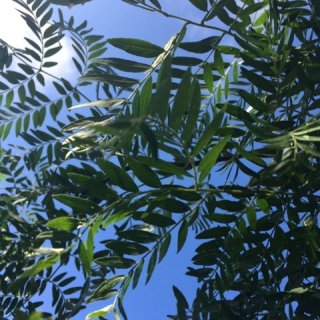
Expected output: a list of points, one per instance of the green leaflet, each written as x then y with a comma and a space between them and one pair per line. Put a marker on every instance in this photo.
221, 217
113, 80
125, 247
39, 266
137, 47
253, 101
104, 311
218, 7
64, 223
171, 205
85, 123
139, 236
181, 101
117, 175
252, 217
212, 233
193, 112
250, 156
115, 262
105, 288
182, 234
144, 173
209, 132
137, 274
56, 235
152, 264
163, 166
202, 46
159, 102
156, 4
9, 98
145, 97
186, 61
95, 187
154, 219
210, 158
181, 300
258, 81
200, 4
148, 134
123, 64
85, 258
78, 204
164, 246
109, 103
230, 206
218, 62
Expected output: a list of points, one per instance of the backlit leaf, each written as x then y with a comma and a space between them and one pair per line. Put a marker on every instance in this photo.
64, 223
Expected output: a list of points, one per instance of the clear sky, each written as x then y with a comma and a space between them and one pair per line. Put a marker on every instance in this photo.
113, 18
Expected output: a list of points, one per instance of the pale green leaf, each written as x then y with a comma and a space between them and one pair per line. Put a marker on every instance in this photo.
64, 223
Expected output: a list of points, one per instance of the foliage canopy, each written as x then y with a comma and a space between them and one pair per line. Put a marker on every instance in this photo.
141, 157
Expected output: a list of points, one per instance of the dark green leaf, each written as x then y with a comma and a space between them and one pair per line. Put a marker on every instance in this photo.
78, 204
182, 234
144, 173
125, 247
159, 102
117, 175
181, 101
152, 264
186, 61
163, 166
137, 274
111, 79
222, 218
200, 4
213, 233
148, 134
115, 262
123, 64
51, 52
258, 80
154, 219
139, 236
202, 46
172, 205
137, 47
95, 187
218, 62
210, 158
209, 132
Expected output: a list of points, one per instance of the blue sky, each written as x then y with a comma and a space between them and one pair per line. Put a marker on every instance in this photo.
113, 18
